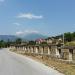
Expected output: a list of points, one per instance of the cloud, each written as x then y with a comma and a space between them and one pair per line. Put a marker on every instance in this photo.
26, 32
31, 31
2, 0
19, 33
29, 16
17, 24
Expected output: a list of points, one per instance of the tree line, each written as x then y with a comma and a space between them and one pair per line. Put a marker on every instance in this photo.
4, 44
69, 36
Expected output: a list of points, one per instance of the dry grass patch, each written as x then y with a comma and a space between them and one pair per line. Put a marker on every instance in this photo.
67, 69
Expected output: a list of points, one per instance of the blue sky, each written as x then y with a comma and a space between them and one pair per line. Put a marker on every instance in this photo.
49, 17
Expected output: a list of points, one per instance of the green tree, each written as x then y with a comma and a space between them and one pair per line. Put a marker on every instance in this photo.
32, 43
68, 36
2, 44
18, 41
73, 34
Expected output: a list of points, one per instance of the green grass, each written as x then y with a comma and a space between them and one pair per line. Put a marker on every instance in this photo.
72, 43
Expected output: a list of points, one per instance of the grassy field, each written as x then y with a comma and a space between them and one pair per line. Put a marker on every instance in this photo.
72, 43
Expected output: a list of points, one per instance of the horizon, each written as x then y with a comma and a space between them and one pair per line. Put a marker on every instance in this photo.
51, 18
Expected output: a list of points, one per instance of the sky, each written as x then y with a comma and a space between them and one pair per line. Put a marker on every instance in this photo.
48, 17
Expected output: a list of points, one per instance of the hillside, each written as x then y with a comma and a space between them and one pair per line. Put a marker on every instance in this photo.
33, 36
8, 37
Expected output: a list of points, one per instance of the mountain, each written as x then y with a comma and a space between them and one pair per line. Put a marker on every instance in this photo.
30, 36
8, 37
33, 36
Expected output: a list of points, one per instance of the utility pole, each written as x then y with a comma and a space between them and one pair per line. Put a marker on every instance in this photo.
63, 39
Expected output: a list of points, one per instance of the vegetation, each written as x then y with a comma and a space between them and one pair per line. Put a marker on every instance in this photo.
8, 43
18, 41
43, 44
69, 38
2, 43
31, 43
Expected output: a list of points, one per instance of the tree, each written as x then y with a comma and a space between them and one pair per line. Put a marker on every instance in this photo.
73, 34
18, 41
68, 37
2, 44
32, 42
44, 43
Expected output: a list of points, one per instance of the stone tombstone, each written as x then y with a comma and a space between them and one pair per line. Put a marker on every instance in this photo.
45, 51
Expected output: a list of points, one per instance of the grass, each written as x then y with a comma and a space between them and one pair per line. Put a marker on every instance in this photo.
72, 43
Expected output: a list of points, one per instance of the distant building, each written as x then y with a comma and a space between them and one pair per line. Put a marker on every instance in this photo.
59, 41
49, 40
39, 41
